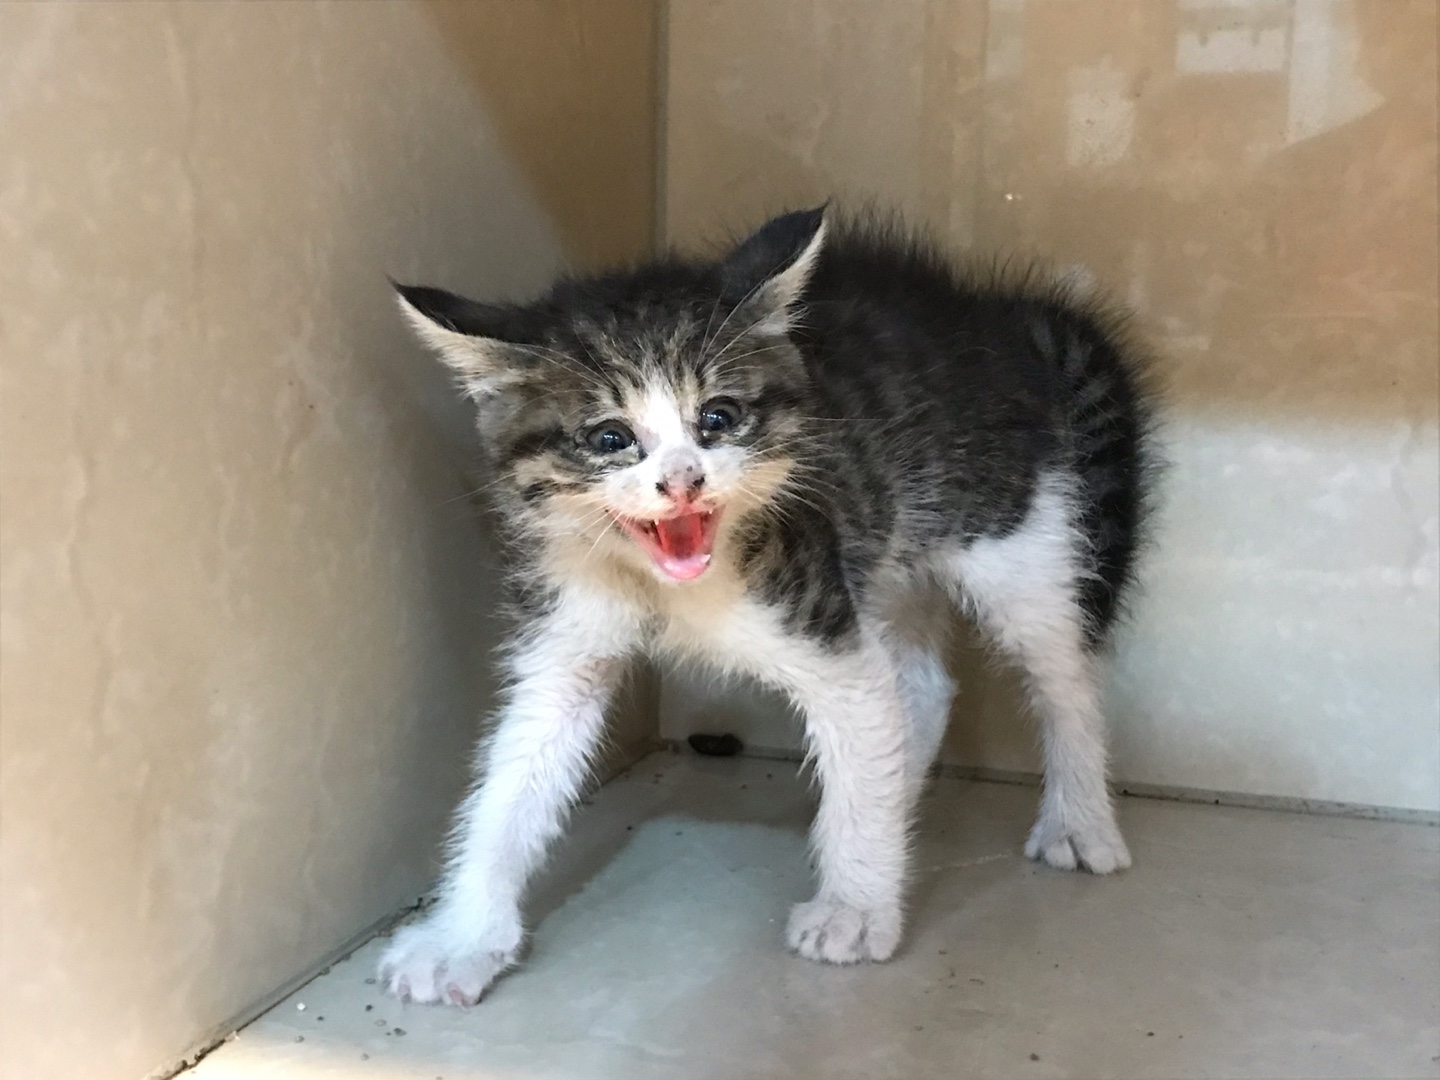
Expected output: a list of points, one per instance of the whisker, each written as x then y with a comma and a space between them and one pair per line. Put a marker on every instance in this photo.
739, 336
705, 337
562, 360
751, 292
720, 369
482, 489
601, 536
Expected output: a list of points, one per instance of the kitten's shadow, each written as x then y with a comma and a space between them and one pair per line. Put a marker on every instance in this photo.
679, 786
776, 795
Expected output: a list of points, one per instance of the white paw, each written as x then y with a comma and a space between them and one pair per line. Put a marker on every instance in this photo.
426, 962
840, 934
1096, 847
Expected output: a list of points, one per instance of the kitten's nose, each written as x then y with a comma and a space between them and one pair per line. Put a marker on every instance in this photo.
683, 484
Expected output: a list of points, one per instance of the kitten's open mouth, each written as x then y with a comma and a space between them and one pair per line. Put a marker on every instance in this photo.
679, 545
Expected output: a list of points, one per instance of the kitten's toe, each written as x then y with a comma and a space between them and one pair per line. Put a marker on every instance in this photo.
426, 965
837, 933
1097, 847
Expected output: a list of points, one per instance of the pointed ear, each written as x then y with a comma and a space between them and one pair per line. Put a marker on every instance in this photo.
481, 343
772, 267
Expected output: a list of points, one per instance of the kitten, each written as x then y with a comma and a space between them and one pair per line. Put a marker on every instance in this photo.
792, 463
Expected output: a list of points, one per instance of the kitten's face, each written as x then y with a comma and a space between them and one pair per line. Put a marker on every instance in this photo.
638, 416
659, 444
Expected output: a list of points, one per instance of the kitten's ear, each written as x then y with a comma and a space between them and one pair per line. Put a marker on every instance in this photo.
482, 343
772, 267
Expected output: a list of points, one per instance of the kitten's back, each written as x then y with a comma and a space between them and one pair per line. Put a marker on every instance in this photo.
958, 389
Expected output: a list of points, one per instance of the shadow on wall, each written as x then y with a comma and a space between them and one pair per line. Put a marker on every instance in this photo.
585, 156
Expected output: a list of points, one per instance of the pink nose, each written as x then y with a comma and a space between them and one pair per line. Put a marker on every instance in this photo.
683, 485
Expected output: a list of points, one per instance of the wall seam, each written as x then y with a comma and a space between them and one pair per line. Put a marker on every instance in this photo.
1243, 800
660, 166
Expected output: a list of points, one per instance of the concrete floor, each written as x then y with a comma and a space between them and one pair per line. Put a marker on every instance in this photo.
1243, 943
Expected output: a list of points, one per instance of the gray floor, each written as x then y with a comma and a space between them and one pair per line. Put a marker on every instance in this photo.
1243, 943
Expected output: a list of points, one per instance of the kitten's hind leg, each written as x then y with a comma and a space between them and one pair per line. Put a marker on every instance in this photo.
917, 632
1024, 589
928, 691
1077, 825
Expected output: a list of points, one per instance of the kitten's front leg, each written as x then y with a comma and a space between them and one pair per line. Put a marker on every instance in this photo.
532, 767
855, 724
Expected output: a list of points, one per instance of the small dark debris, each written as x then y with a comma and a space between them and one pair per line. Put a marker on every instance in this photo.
769, 776
325, 970
981, 982
299, 1038
942, 952
1057, 967
1034, 1057
369, 982
726, 745
319, 1018
1149, 1034
919, 1027
369, 1007
399, 1031
744, 786
679, 832
629, 828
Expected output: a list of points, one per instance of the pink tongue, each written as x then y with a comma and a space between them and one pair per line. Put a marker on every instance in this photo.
680, 537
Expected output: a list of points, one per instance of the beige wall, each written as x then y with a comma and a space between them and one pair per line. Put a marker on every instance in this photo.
1258, 179
245, 604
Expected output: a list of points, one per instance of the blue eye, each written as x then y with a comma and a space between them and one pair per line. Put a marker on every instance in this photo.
719, 415
609, 438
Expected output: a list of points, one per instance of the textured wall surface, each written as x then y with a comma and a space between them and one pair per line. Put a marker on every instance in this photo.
1258, 180
246, 605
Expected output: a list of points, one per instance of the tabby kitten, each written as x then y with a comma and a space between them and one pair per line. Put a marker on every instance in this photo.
793, 463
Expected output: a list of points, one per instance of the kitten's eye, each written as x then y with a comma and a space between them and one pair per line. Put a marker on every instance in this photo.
722, 414
609, 438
